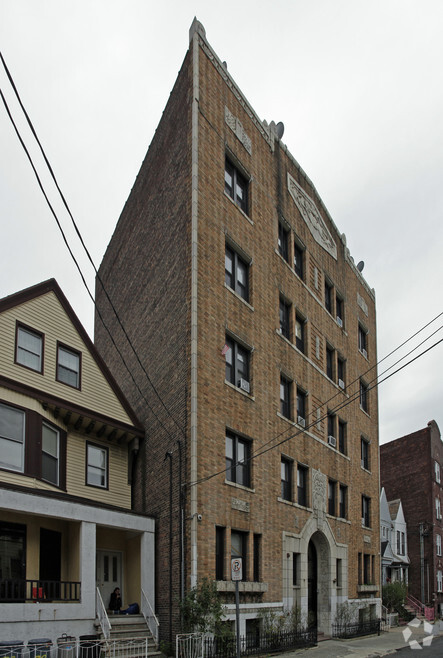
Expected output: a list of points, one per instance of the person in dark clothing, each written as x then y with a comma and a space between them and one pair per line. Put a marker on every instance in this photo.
115, 602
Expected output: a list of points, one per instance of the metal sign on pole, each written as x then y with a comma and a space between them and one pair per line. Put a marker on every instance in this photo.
236, 576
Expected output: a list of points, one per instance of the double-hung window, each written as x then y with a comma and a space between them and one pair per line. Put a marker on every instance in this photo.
236, 185
285, 397
437, 471
236, 273
302, 485
366, 511
220, 533
299, 333
68, 366
237, 364
342, 436
330, 362
239, 544
362, 340
286, 478
29, 348
238, 459
364, 453
339, 310
301, 407
298, 260
283, 241
332, 492
284, 316
439, 581
96, 466
50, 454
328, 296
364, 394
12, 438
342, 505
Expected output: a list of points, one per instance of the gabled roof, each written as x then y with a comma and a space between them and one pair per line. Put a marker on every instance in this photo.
75, 409
393, 508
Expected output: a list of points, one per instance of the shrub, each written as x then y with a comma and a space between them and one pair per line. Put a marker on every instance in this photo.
202, 609
394, 596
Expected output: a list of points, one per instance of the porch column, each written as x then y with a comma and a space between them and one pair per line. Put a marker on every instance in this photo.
88, 567
147, 562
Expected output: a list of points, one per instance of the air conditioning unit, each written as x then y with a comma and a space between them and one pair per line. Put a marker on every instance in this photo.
339, 321
341, 383
301, 421
332, 440
365, 354
244, 385
279, 330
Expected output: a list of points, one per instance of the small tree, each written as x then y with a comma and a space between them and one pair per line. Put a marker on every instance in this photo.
202, 609
345, 614
394, 596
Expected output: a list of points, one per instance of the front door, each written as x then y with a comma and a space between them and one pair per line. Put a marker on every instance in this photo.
109, 574
312, 585
12, 562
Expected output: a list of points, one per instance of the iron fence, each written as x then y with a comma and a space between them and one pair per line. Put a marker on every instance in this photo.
258, 643
14, 590
346, 631
78, 648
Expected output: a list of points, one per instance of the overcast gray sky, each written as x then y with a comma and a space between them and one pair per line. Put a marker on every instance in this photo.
358, 85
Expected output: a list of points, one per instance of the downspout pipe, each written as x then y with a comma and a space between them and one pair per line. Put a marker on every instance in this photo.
169, 455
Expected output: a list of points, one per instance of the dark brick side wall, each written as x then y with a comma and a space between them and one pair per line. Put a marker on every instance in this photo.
407, 472
146, 272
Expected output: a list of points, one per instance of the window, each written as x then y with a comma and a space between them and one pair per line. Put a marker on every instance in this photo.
12, 438
239, 548
364, 453
332, 488
238, 468
236, 186
284, 313
330, 362
339, 310
286, 478
438, 540
296, 569
236, 273
341, 372
257, 552
220, 553
342, 506
437, 471
298, 260
285, 397
96, 466
237, 365
439, 581
364, 405
398, 542
301, 407
68, 366
365, 511
362, 340
332, 439
338, 572
437, 508
50, 454
29, 348
328, 296
342, 437
302, 485
283, 242
299, 333
366, 569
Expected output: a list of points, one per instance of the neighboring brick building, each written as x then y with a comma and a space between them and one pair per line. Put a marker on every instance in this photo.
246, 310
410, 469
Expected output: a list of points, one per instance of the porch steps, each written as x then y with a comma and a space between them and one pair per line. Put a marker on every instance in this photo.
131, 627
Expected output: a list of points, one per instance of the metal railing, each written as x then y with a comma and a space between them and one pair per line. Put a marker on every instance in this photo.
44, 591
259, 643
102, 615
355, 630
420, 608
86, 647
150, 616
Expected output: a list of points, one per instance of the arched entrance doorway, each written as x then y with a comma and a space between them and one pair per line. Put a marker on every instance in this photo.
312, 585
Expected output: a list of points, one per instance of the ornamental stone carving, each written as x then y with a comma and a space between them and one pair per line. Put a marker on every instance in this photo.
318, 491
237, 128
312, 217
240, 505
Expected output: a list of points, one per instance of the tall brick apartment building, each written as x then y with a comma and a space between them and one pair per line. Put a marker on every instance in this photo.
258, 332
411, 467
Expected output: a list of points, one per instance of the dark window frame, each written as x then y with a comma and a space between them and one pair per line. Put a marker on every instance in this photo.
238, 472
243, 552
302, 398
366, 511
239, 182
237, 370
302, 485
299, 259
74, 352
105, 449
284, 315
364, 396
343, 501
286, 398
364, 451
362, 340
220, 549
332, 497
231, 278
50, 457
339, 310
20, 326
330, 357
300, 342
342, 430
283, 241
286, 478
329, 290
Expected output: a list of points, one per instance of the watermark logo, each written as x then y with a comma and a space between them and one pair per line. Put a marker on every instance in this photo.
415, 624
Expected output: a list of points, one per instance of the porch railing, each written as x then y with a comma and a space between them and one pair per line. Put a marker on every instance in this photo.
43, 591
102, 615
150, 616
421, 608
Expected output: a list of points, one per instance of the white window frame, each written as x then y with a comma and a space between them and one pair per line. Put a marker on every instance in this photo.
437, 471
438, 544
103, 470
439, 581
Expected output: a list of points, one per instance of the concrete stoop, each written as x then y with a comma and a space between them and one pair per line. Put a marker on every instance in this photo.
130, 627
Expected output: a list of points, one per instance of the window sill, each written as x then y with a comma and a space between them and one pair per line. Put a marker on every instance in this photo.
367, 588
363, 468
243, 586
290, 421
239, 390
239, 486
242, 299
365, 412
293, 504
297, 349
239, 209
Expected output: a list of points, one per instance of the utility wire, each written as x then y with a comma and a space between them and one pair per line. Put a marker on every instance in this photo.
82, 243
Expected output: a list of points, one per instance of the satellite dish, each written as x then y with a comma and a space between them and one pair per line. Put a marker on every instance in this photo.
280, 129
361, 265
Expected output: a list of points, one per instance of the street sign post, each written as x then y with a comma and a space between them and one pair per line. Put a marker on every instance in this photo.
236, 576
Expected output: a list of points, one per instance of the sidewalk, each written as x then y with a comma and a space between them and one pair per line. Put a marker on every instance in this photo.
365, 647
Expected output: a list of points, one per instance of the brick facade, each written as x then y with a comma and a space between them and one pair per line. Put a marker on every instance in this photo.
410, 469
164, 270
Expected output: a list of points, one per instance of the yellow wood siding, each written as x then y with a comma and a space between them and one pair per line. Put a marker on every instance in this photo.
46, 315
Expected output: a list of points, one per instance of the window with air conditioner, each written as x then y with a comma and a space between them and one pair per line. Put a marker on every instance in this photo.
237, 365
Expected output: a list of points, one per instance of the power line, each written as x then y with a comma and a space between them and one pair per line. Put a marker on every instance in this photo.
84, 247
